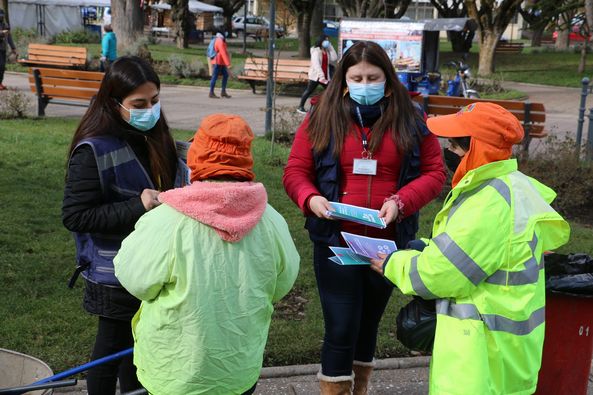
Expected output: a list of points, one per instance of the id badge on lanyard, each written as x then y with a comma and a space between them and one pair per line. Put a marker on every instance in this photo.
365, 165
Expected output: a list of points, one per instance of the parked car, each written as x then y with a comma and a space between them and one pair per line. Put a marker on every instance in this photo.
577, 33
254, 25
572, 36
331, 28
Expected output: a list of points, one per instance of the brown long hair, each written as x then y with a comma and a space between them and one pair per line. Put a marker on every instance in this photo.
103, 117
332, 115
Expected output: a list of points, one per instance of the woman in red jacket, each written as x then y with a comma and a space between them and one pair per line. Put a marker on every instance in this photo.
363, 144
222, 65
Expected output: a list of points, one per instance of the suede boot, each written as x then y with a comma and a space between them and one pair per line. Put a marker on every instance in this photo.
362, 377
341, 385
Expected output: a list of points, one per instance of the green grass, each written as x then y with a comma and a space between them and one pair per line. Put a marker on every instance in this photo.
510, 94
533, 65
43, 318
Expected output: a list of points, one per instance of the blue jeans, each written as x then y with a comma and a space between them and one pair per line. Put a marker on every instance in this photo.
353, 299
219, 69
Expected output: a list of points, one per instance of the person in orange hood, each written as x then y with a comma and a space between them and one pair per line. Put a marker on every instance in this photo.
208, 264
479, 134
484, 262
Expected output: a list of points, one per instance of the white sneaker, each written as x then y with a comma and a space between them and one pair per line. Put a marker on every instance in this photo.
301, 110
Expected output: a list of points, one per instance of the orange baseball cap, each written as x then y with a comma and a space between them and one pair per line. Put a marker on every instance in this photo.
487, 122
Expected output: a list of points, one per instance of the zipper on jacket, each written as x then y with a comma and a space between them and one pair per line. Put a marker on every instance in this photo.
369, 184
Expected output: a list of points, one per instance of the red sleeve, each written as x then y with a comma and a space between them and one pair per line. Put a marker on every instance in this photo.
299, 173
425, 188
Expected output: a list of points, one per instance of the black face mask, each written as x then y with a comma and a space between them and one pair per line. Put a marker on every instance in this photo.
452, 160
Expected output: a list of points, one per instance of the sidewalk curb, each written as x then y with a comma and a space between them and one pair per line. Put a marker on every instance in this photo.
312, 369
303, 370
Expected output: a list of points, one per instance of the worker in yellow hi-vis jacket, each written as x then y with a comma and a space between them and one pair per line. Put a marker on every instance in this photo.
484, 263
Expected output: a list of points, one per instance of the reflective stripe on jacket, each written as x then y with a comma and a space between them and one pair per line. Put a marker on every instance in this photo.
484, 265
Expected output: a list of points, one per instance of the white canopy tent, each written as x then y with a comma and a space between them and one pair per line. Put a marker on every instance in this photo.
195, 7
50, 17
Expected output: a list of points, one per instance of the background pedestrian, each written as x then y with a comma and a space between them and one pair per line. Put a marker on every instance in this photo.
323, 58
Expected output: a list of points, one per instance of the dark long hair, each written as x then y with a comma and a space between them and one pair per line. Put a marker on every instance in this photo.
103, 117
320, 41
333, 113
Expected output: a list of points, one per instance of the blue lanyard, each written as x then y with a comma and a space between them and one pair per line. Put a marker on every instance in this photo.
365, 143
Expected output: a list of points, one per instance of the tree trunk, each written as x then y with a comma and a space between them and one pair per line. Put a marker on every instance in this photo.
299, 24
305, 36
589, 12
562, 40
228, 23
4, 4
127, 22
487, 48
583, 60
536, 38
317, 20
180, 17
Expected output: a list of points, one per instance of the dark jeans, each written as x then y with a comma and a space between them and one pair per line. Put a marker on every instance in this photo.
353, 299
310, 89
112, 336
2, 64
219, 69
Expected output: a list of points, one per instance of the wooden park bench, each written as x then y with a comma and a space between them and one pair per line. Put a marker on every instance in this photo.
54, 55
286, 71
531, 115
59, 86
506, 47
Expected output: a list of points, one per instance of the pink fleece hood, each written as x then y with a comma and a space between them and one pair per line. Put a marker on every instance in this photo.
232, 209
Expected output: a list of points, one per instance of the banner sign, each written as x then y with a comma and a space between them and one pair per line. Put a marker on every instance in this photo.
402, 41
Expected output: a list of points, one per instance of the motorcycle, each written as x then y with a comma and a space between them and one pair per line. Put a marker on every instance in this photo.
430, 83
458, 86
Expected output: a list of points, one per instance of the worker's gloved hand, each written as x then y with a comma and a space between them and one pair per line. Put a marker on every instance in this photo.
417, 245
102, 58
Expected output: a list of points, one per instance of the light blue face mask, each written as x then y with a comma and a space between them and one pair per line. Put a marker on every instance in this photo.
366, 94
144, 119
325, 44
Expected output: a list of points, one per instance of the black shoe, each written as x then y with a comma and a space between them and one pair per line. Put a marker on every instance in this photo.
301, 110
213, 96
224, 94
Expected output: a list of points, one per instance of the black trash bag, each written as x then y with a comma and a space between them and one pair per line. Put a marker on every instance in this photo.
416, 324
571, 273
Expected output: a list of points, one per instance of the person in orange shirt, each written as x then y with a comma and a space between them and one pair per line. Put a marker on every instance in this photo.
222, 64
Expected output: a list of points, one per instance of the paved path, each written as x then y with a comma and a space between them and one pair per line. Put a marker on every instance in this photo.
562, 109
185, 106
394, 376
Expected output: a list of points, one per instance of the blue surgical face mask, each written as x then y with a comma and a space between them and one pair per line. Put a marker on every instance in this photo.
325, 44
144, 119
366, 94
